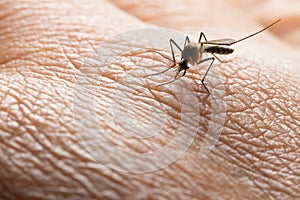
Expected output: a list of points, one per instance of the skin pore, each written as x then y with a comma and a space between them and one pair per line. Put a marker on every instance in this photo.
43, 46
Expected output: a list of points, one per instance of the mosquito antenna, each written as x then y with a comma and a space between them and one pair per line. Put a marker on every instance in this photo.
255, 32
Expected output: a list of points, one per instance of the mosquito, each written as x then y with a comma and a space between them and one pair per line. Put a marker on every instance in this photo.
192, 53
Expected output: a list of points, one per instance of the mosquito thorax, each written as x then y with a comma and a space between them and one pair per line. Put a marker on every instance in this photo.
191, 53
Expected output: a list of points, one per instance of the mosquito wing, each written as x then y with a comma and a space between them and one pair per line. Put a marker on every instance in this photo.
226, 41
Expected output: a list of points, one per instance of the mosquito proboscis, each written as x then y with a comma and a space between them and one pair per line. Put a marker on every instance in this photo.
192, 53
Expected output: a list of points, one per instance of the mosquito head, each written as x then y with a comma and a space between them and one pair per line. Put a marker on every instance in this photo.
183, 65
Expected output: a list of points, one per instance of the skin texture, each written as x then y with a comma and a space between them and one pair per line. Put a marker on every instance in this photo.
43, 46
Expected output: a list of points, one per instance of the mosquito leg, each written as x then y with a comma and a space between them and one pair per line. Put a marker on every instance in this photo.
187, 40
175, 78
200, 37
164, 56
205, 87
159, 72
204, 60
177, 73
163, 70
221, 61
173, 42
184, 72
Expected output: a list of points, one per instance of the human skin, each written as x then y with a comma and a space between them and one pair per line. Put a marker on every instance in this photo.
43, 46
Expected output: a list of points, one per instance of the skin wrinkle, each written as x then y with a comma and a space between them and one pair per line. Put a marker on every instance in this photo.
131, 144
121, 187
175, 116
286, 112
252, 179
213, 177
52, 153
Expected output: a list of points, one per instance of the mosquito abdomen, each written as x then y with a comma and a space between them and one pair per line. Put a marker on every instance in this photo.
218, 50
